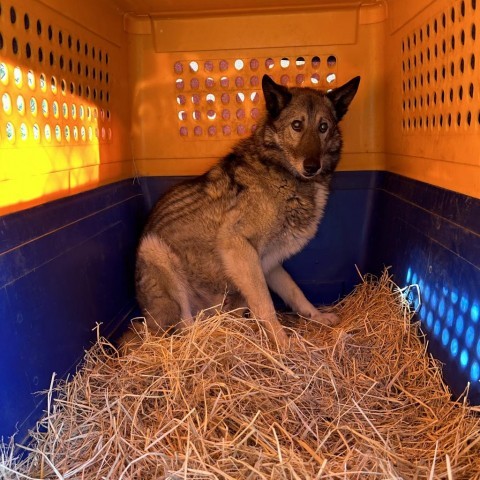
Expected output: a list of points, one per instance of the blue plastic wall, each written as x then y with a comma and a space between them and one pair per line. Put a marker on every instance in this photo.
431, 237
68, 265
64, 267
325, 269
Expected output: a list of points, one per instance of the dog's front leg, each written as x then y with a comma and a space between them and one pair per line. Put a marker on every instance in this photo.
243, 267
282, 283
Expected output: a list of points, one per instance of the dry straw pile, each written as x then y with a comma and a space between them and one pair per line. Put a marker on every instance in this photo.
361, 400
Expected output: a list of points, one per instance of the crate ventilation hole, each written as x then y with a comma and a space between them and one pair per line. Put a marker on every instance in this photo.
222, 97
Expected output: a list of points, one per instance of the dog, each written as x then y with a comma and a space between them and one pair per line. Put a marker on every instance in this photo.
221, 238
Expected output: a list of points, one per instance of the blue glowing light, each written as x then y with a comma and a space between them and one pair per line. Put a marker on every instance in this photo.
450, 316
464, 304
469, 337
412, 295
429, 320
454, 347
409, 275
475, 312
427, 293
436, 328
441, 307
459, 325
464, 358
454, 297
445, 337
475, 372
434, 300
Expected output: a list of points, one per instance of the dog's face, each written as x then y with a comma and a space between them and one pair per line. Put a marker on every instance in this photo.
303, 124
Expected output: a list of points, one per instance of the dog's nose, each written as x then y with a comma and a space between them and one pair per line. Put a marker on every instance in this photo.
310, 168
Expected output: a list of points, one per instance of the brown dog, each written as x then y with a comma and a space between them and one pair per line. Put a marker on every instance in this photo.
222, 237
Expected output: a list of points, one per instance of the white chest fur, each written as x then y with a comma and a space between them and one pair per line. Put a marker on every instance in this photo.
297, 231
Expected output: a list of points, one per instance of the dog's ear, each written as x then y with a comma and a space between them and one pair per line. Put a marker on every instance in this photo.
277, 97
342, 96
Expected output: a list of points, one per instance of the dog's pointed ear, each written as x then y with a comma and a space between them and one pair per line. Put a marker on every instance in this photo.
277, 97
342, 96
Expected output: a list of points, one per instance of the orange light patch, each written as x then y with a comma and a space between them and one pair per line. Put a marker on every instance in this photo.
49, 138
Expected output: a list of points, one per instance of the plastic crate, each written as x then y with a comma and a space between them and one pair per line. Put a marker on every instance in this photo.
104, 104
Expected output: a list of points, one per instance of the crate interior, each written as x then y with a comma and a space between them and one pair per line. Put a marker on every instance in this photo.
105, 104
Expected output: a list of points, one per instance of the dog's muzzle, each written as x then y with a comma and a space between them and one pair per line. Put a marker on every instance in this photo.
310, 168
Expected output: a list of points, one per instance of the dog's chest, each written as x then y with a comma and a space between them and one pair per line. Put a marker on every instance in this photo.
302, 208
299, 212
298, 219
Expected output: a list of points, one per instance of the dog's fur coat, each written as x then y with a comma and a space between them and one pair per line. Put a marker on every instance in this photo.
222, 237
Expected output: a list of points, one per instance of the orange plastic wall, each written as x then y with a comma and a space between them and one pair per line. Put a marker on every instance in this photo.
64, 109
182, 85
196, 81
433, 92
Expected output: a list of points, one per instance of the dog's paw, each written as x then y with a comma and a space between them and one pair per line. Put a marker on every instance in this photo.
282, 339
326, 318
278, 336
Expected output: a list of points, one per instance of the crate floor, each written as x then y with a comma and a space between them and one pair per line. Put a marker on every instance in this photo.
219, 401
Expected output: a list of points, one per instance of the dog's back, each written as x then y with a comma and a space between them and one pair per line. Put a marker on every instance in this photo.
223, 236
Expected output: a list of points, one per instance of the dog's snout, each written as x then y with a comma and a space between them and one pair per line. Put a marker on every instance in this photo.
311, 167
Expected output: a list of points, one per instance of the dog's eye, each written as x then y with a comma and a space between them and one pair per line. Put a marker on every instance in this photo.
323, 127
297, 125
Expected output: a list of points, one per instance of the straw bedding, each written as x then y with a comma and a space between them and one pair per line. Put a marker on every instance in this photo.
360, 400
